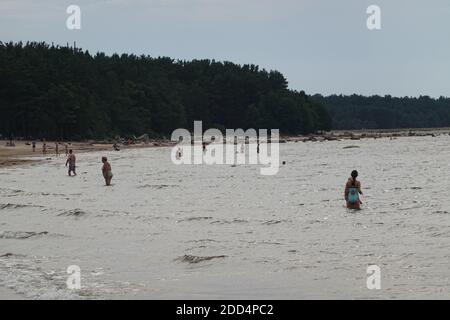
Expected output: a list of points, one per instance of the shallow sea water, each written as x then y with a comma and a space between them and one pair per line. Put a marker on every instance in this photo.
222, 232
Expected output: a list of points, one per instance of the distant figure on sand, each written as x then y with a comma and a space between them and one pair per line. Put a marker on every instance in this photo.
352, 192
11, 142
67, 149
107, 171
44, 148
34, 145
57, 149
71, 161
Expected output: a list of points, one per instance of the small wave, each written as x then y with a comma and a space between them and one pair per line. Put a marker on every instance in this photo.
201, 240
271, 243
310, 222
229, 221
10, 192
155, 186
20, 234
196, 259
411, 207
440, 234
24, 276
272, 222
73, 213
194, 219
440, 212
11, 255
13, 206
45, 194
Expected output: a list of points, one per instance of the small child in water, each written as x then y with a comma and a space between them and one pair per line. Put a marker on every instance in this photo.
352, 192
107, 171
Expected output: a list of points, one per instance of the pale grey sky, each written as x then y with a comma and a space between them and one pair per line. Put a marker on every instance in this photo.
321, 46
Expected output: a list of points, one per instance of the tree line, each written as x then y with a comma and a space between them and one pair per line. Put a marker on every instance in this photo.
386, 112
56, 92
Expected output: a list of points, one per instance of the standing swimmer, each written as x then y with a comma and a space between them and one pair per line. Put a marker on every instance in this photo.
71, 161
106, 170
352, 192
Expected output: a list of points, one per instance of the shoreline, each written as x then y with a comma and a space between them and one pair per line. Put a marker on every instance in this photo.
22, 153
339, 135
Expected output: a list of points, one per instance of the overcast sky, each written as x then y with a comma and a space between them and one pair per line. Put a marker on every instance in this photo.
321, 46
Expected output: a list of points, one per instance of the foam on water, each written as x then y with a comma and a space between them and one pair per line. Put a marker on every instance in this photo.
166, 231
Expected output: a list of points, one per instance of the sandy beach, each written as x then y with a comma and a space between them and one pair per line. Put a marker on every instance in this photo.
22, 153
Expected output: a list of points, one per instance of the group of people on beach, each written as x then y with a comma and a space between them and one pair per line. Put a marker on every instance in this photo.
45, 148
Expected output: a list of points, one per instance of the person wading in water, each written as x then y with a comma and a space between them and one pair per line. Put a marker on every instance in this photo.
71, 162
352, 192
107, 172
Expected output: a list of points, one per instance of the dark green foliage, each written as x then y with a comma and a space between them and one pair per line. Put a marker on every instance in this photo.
65, 93
376, 112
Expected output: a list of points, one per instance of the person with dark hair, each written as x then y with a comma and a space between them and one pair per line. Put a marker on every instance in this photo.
352, 192
107, 171
71, 159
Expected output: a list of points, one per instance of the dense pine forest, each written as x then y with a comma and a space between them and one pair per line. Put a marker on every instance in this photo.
57, 92
376, 112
